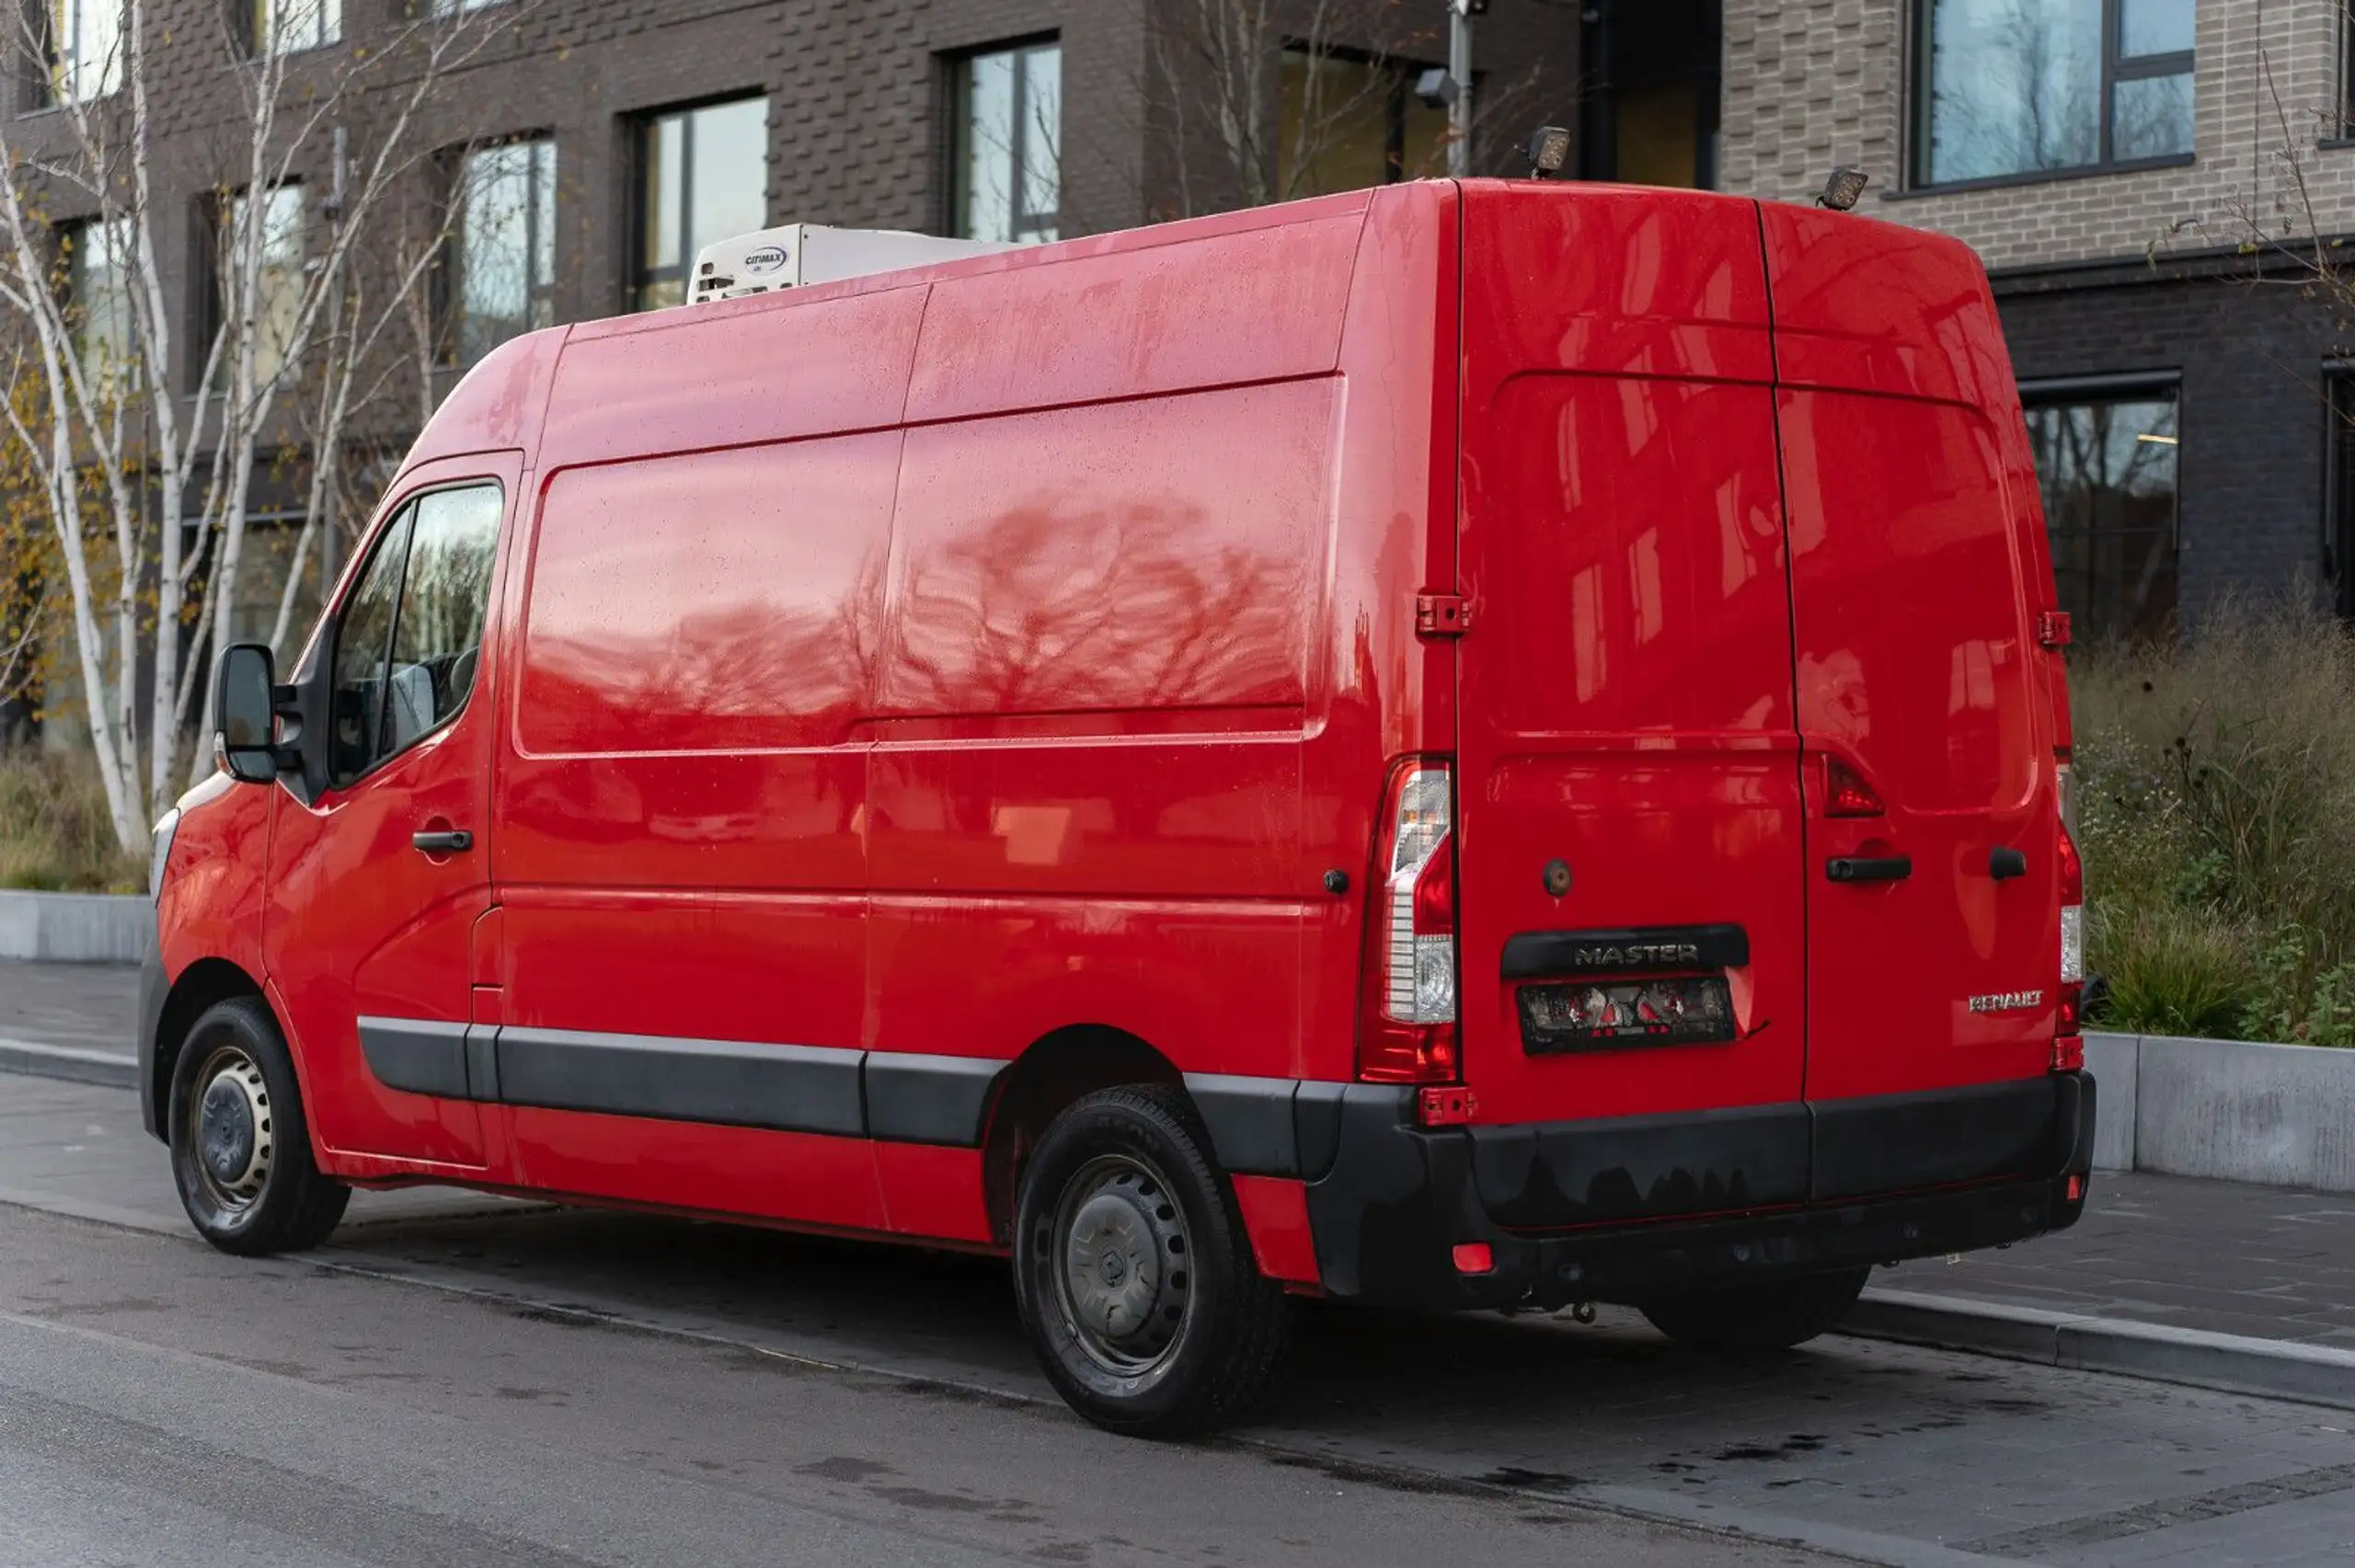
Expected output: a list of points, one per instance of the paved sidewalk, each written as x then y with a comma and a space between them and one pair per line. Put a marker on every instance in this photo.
2270, 1262
85, 1006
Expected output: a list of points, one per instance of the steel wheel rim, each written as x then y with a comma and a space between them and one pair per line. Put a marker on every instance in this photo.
230, 1129
1122, 1264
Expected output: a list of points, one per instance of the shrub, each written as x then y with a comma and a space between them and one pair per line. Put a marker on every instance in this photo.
2217, 806
56, 834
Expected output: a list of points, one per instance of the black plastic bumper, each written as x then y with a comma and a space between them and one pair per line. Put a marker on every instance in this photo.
1961, 1170
155, 988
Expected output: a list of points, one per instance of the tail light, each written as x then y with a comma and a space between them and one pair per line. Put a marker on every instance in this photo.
2068, 1035
1407, 1034
1846, 794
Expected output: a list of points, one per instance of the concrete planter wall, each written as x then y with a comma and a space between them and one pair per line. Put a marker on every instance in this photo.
76, 928
2278, 1115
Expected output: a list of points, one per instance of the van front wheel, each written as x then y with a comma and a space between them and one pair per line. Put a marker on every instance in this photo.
241, 1150
1134, 1274
1758, 1317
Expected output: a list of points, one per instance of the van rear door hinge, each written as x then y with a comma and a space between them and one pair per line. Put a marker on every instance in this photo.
2052, 628
1442, 615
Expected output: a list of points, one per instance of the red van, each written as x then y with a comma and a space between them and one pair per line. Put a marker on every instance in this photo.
1465, 745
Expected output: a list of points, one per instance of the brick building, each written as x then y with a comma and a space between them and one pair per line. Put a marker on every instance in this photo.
2145, 180
2107, 157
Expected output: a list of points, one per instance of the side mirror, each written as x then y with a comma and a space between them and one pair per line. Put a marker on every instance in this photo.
245, 713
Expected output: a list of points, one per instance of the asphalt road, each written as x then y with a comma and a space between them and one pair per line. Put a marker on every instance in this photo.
460, 1381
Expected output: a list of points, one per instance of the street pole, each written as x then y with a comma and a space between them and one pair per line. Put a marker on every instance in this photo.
1459, 69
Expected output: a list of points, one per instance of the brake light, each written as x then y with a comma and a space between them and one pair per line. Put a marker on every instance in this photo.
2068, 1031
1846, 794
1408, 1032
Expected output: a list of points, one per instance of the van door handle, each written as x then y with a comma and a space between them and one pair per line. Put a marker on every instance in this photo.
1869, 868
2002, 865
455, 841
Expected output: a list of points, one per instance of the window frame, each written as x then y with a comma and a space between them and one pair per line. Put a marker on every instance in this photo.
72, 237
959, 98
402, 514
1920, 58
450, 281
2338, 481
2148, 386
259, 47
215, 212
45, 84
640, 275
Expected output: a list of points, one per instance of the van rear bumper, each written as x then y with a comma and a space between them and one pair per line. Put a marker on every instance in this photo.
1972, 1168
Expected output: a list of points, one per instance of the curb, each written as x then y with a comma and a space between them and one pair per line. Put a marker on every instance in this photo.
70, 1063
2232, 1363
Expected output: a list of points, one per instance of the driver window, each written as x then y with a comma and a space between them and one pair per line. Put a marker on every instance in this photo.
405, 658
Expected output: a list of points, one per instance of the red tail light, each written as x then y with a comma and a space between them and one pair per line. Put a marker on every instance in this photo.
2068, 1029
1407, 1030
1846, 794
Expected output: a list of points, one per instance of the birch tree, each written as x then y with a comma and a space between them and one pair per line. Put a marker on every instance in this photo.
157, 487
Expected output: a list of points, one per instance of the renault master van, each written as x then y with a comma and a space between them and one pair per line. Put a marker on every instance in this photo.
1472, 745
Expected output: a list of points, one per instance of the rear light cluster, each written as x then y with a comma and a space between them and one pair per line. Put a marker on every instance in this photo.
2068, 1035
1409, 1034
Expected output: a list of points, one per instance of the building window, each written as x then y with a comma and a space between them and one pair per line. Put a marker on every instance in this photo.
2013, 88
283, 26
502, 246
98, 296
82, 41
1349, 122
1649, 111
1007, 152
703, 175
278, 292
2107, 467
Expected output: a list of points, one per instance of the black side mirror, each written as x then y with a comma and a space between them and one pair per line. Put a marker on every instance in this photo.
245, 713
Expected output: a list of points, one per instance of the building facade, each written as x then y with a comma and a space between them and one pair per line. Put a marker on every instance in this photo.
2157, 188
2156, 185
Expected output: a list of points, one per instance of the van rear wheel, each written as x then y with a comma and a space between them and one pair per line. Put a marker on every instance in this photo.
1133, 1272
241, 1147
1758, 1317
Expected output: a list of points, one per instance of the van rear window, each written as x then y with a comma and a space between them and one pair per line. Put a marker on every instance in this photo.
725, 601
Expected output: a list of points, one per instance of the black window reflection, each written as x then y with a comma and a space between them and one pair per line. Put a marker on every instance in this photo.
2021, 87
2108, 472
408, 652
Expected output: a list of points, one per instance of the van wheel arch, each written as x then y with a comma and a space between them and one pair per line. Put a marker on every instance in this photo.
202, 986
1055, 1072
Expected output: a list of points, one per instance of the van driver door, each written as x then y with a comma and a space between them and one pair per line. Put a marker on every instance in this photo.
376, 884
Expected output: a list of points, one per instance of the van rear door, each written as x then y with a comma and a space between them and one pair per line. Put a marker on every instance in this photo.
1925, 706
1628, 803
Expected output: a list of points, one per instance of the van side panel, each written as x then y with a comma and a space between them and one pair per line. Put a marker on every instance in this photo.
1257, 304
681, 856
1084, 785
732, 374
1374, 689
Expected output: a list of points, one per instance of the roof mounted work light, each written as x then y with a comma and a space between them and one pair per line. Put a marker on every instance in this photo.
1549, 150
1840, 191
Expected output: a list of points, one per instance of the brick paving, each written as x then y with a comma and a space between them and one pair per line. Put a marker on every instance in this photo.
2273, 1263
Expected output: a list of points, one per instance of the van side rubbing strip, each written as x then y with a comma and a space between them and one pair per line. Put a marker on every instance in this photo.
417, 1056
1534, 954
784, 1088
928, 1099
898, 1097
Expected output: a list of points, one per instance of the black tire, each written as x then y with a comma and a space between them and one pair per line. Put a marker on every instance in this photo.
1192, 1333
244, 1170
1758, 1317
